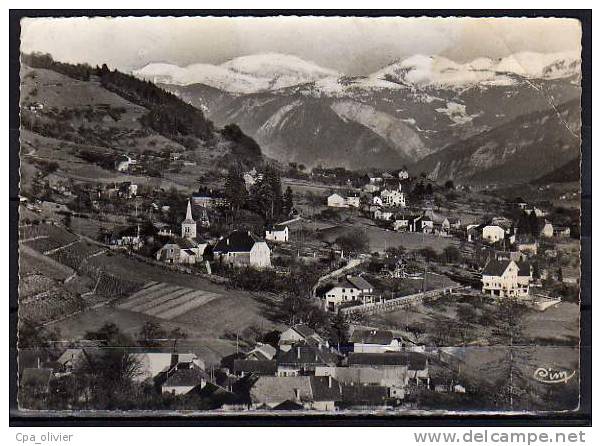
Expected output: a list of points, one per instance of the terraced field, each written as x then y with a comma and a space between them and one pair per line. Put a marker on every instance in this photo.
166, 301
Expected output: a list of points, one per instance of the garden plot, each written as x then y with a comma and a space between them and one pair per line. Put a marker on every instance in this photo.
166, 301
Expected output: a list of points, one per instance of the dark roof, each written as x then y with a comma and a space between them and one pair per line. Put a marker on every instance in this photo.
237, 241
356, 282
258, 367
276, 227
496, 267
413, 360
382, 337
308, 354
364, 395
288, 405
192, 376
304, 330
325, 388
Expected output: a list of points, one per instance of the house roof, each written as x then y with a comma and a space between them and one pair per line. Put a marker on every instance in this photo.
237, 241
325, 388
192, 376
258, 367
356, 282
289, 405
381, 337
413, 360
368, 374
304, 330
496, 267
364, 395
307, 354
276, 227
277, 389
265, 350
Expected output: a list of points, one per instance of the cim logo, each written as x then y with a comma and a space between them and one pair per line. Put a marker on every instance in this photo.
551, 376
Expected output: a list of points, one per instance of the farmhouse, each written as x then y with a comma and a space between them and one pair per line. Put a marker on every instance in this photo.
493, 233
277, 233
208, 200
181, 381
451, 223
371, 188
299, 333
242, 248
506, 278
310, 392
393, 198
394, 376
561, 231
182, 251
338, 201
546, 229
351, 288
417, 363
303, 358
374, 341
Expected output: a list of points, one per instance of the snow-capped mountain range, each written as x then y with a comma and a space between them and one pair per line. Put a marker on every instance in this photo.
419, 108
268, 72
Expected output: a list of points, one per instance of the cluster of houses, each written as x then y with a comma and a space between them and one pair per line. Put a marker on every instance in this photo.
300, 370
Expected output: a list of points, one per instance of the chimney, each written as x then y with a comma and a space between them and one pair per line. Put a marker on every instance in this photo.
298, 352
330, 382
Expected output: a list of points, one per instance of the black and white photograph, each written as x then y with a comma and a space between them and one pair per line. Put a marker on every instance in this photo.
299, 215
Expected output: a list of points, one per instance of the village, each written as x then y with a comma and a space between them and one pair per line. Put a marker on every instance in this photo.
372, 287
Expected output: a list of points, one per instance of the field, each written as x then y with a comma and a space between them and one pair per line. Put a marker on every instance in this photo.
380, 239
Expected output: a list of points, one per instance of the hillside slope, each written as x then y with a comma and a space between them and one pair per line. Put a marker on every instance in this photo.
83, 123
517, 152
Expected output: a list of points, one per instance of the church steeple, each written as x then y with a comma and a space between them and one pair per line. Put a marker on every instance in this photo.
189, 211
189, 225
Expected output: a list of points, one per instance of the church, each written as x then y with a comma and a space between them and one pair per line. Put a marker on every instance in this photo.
187, 249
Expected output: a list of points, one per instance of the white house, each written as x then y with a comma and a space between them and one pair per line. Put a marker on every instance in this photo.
382, 214
277, 233
403, 174
393, 198
337, 201
377, 200
123, 163
546, 230
493, 233
242, 248
401, 224
348, 289
451, 223
182, 251
506, 278
353, 201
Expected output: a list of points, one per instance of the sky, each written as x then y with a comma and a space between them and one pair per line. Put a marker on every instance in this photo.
355, 46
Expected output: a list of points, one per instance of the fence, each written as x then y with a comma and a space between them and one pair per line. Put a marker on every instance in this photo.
399, 302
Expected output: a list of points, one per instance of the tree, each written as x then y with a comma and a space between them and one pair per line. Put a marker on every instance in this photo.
417, 330
288, 203
451, 254
354, 241
428, 254
235, 189
266, 195
150, 334
339, 328
449, 185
